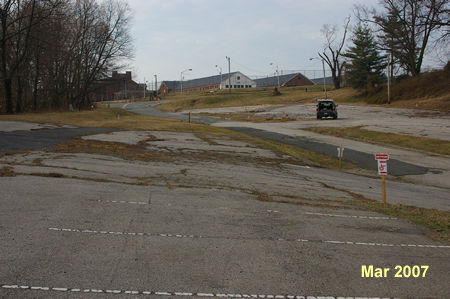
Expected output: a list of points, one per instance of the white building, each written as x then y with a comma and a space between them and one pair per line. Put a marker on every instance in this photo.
237, 80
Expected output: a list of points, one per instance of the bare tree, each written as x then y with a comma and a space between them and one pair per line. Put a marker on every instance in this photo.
406, 26
53, 51
333, 47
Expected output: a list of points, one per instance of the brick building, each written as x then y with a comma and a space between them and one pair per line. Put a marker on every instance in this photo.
118, 86
289, 80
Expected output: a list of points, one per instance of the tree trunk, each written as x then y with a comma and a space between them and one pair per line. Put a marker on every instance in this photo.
19, 99
8, 95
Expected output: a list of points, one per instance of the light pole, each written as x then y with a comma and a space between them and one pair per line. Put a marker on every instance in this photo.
220, 68
278, 74
323, 67
229, 73
181, 77
145, 86
156, 85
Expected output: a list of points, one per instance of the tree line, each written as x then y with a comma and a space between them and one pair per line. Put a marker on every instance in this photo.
53, 51
398, 33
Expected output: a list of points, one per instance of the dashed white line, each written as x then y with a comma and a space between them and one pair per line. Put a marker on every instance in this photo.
165, 293
124, 202
246, 238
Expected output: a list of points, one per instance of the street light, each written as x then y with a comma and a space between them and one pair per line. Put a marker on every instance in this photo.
323, 67
145, 86
181, 75
278, 74
220, 72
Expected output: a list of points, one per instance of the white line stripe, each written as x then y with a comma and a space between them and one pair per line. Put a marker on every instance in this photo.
123, 201
243, 238
352, 216
162, 293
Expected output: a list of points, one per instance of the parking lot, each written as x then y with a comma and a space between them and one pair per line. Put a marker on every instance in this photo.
202, 219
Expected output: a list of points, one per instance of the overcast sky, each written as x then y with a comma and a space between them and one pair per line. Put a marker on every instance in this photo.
173, 35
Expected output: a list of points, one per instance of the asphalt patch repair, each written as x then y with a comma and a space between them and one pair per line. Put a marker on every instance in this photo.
363, 160
43, 139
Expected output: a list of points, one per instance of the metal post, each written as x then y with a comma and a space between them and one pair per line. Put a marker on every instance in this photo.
229, 74
389, 79
324, 85
181, 79
383, 188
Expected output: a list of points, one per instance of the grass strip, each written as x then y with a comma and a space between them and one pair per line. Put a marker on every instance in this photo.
437, 146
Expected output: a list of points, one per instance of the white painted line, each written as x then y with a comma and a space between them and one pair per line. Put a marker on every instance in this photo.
125, 105
246, 238
186, 294
123, 201
352, 216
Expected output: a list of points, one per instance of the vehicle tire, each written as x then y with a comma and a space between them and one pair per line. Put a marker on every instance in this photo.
335, 117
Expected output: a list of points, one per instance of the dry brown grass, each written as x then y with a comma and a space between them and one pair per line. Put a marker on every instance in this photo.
248, 117
250, 97
358, 133
7, 171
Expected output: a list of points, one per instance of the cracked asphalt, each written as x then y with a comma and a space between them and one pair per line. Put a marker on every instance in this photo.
221, 219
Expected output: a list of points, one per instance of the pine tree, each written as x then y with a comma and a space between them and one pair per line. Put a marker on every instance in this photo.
365, 67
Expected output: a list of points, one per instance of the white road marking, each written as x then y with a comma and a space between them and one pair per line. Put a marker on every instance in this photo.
245, 238
124, 201
125, 105
352, 216
186, 294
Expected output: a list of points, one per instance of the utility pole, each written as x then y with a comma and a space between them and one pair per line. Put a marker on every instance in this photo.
181, 79
278, 74
156, 85
220, 75
229, 74
145, 87
323, 68
324, 85
389, 78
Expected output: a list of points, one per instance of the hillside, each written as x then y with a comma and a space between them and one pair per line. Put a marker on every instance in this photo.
429, 91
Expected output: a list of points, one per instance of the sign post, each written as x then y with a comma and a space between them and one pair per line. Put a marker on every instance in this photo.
340, 155
382, 170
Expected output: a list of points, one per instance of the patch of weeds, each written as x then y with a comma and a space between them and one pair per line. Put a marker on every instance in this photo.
263, 196
205, 138
436, 221
7, 171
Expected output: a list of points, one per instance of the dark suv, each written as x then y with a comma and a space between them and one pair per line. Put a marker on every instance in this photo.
326, 108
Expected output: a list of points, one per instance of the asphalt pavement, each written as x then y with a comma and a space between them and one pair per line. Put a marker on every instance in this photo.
42, 138
361, 159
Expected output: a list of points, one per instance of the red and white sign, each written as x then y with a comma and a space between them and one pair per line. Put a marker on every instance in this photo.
382, 167
382, 157
382, 163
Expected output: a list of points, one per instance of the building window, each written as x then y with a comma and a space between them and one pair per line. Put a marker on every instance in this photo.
239, 77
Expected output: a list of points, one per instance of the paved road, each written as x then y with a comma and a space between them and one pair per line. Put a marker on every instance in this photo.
361, 159
43, 138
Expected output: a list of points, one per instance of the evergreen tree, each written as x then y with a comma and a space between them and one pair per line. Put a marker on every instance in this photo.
365, 67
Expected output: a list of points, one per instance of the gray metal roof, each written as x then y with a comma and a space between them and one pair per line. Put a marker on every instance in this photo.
273, 81
205, 81
318, 81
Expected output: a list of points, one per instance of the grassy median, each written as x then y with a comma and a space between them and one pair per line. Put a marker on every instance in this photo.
359, 133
